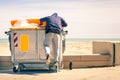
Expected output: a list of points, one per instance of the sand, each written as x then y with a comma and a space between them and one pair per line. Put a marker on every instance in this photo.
78, 48
99, 73
4, 49
71, 48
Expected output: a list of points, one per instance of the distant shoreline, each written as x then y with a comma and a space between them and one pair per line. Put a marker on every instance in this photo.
91, 39
5, 40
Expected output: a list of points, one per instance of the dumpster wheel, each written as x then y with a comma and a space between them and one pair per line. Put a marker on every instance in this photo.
15, 69
56, 68
21, 67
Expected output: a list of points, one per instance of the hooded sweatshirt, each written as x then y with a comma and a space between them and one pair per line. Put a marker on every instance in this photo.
54, 23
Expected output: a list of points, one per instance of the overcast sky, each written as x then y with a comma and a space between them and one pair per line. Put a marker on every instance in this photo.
85, 18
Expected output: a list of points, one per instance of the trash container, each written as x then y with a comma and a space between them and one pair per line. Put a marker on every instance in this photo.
27, 51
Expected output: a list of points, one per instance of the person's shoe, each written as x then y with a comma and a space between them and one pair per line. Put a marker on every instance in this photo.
56, 63
47, 59
47, 56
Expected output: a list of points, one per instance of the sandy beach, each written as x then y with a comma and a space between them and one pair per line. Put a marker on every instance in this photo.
71, 48
4, 49
96, 73
103, 73
78, 48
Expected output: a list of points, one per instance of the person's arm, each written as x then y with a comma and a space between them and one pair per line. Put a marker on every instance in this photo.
64, 24
43, 22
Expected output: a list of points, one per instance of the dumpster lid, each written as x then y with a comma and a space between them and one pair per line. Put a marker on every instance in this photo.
35, 21
27, 24
27, 28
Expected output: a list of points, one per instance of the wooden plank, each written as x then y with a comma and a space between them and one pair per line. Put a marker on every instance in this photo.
5, 58
117, 55
86, 57
87, 64
5, 64
95, 57
102, 48
71, 58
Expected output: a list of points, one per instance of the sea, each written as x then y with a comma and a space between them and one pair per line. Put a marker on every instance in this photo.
5, 40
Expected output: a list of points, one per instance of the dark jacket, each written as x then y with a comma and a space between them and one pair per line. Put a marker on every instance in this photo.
54, 23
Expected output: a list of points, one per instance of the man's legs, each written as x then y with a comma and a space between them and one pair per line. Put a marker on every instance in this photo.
48, 40
55, 38
56, 46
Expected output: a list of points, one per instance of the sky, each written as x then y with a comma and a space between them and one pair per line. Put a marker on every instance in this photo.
85, 18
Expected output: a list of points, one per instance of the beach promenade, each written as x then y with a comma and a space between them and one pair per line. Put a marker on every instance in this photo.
94, 73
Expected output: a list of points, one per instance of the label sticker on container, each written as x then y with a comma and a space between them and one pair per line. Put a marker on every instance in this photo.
24, 43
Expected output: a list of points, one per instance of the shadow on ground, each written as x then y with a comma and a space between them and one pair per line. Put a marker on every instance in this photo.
28, 72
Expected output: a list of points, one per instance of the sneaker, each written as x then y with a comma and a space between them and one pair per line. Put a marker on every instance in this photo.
56, 63
48, 59
47, 56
